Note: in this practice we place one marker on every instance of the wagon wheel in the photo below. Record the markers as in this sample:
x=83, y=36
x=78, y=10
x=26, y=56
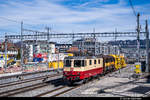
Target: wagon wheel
x=85, y=80
x=70, y=83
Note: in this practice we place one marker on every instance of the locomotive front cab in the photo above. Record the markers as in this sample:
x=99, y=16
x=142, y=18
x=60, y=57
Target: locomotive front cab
x=73, y=69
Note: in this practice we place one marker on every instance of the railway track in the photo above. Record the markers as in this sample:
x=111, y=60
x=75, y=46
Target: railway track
x=64, y=89
x=72, y=88
x=25, y=81
x=26, y=89
x=24, y=74
x=52, y=93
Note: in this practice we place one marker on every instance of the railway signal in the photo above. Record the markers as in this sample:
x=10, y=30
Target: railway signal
x=137, y=69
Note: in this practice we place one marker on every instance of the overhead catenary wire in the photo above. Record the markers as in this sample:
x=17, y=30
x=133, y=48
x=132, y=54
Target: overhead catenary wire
x=12, y=20
x=132, y=8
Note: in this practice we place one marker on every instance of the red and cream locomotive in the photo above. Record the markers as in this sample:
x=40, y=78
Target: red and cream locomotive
x=77, y=68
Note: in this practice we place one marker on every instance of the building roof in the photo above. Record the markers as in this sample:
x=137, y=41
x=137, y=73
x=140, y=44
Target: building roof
x=10, y=47
x=38, y=41
x=73, y=49
x=63, y=44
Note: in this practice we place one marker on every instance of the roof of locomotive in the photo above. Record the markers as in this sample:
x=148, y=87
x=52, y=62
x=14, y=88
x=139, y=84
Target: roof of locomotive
x=88, y=57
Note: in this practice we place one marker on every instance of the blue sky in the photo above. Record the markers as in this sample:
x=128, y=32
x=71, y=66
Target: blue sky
x=72, y=15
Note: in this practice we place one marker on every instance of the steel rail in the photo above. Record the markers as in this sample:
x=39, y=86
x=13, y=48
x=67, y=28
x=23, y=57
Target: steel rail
x=27, y=80
x=25, y=89
x=24, y=74
x=67, y=90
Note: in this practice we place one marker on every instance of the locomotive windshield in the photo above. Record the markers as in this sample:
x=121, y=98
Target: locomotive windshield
x=68, y=63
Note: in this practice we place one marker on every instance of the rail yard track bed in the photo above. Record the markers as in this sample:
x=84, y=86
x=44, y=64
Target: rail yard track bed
x=27, y=86
x=45, y=87
x=16, y=78
x=117, y=84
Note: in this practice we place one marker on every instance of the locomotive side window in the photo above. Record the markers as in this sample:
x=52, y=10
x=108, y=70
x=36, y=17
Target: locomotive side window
x=77, y=63
x=83, y=63
x=90, y=62
x=68, y=63
x=98, y=61
x=94, y=61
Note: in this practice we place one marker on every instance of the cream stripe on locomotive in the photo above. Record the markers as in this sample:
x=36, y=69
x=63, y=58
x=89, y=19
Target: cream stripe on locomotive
x=89, y=65
x=93, y=65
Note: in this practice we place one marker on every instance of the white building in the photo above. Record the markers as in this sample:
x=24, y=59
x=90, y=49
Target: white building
x=32, y=47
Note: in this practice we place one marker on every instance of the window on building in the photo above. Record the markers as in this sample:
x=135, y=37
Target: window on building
x=90, y=62
x=94, y=61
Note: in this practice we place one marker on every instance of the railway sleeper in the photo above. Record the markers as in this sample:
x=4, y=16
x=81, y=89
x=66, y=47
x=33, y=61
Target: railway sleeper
x=45, y=79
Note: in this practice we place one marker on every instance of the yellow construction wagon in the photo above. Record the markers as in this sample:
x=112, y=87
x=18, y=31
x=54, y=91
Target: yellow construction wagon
x=119, y=61
x=56, y=64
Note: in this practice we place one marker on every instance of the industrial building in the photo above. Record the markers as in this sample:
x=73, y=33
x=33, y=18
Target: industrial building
x=107, y=49
x=91, y=45
x=62, y=48
x=130, y=52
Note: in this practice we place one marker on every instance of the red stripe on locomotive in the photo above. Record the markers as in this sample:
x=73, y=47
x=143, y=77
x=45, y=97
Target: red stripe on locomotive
x=82, y=74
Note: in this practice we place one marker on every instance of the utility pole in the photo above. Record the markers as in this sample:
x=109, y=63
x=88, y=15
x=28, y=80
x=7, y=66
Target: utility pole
x=115, y=40
x=73, y=37
x=48, y=29
x=94, y=42
x=147, y=46
x=21, y=49
x=36, y=43
x=138, y=38
x=5, y=51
